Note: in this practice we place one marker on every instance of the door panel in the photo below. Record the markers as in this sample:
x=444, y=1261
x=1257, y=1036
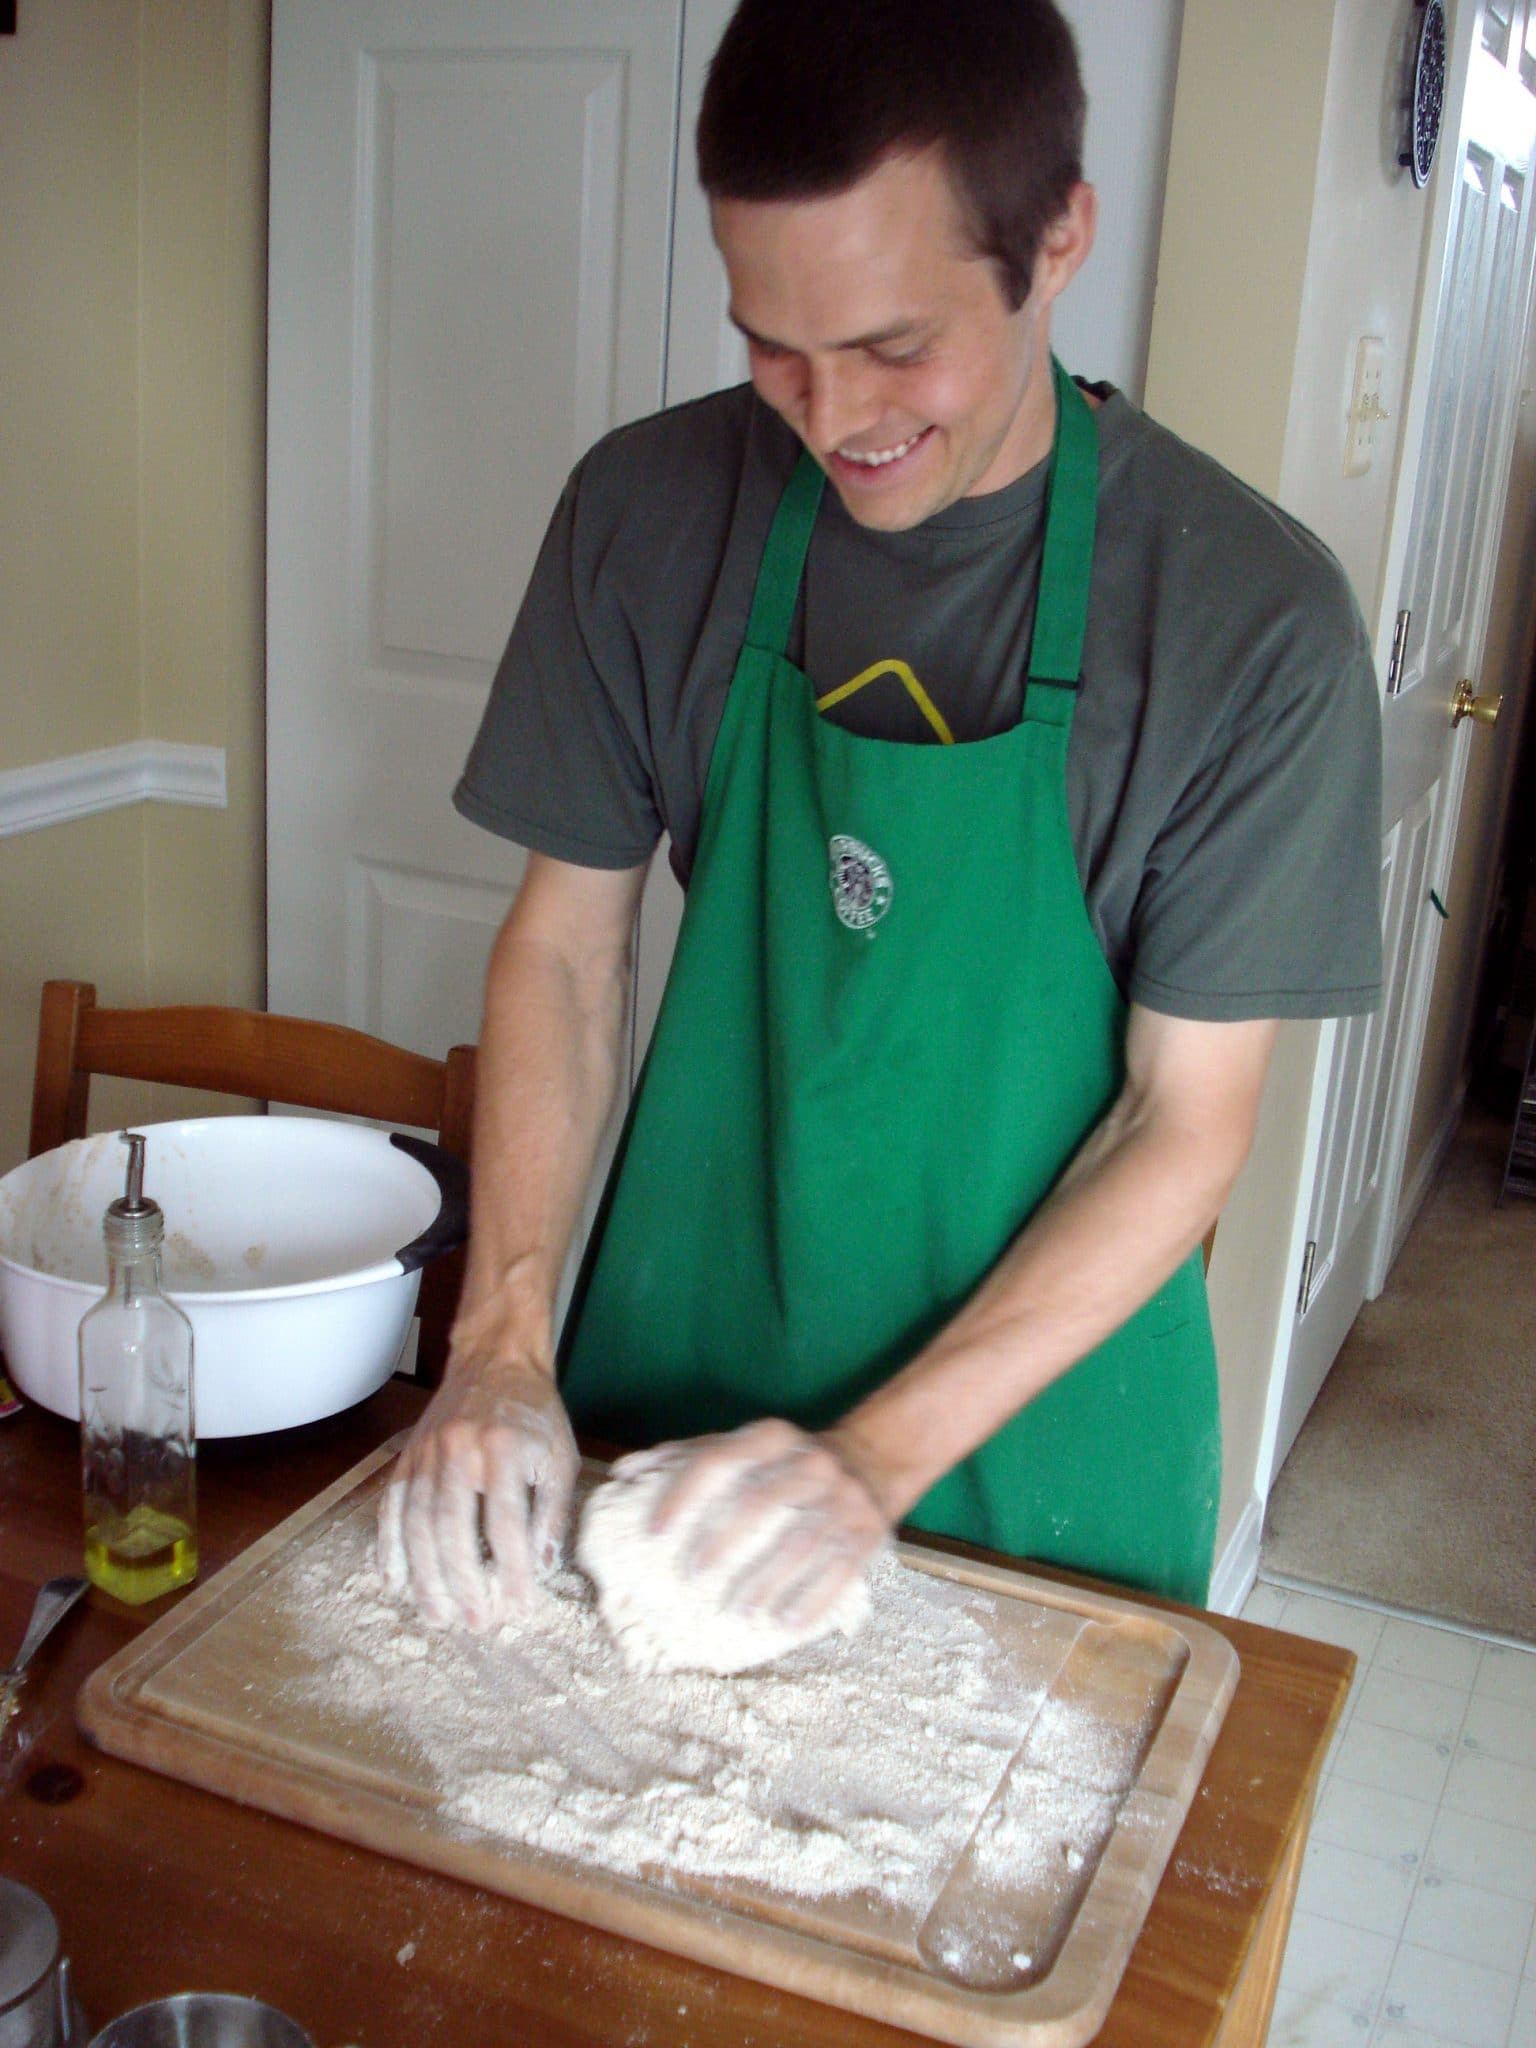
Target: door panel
x=1438, y=495
x=417, y=942
x=1492, y=384
x=471, y=228
x=474, y=316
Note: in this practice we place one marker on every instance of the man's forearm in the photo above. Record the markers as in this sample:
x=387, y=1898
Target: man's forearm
x=477, y=1505
x=1137, y=1199
x=548, y=1069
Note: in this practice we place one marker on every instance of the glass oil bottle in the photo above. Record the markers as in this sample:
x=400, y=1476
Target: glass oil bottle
x=138, y=1449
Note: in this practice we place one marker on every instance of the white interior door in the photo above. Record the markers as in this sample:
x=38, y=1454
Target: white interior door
x=1455, y=457
x=473, y=276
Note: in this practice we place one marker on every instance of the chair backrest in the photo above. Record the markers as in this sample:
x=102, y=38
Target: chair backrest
x=273, y=1058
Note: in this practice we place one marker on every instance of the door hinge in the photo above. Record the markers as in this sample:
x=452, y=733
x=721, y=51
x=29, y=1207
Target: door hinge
x=1304, y=1298
x=1399, y=653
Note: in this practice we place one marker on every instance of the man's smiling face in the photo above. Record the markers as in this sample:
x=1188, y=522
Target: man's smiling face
x=885, y=341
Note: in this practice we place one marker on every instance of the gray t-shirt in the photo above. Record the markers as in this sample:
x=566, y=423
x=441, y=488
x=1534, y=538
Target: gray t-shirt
x=1223, y=775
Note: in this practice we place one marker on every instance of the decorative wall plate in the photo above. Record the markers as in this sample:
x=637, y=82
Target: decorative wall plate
x=1426, y=103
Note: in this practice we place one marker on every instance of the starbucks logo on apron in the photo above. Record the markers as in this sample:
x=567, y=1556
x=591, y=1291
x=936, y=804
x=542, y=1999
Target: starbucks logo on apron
x=861, y=883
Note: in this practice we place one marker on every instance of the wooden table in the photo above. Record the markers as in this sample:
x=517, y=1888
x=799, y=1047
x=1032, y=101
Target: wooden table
x=158, y=1887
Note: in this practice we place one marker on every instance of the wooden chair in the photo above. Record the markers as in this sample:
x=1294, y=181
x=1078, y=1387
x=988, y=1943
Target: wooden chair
x=275, y=1059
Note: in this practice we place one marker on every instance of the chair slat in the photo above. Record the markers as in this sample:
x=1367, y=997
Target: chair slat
x=277, y=1059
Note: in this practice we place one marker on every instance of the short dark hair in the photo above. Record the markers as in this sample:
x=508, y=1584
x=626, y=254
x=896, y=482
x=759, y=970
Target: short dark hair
x=806, y=97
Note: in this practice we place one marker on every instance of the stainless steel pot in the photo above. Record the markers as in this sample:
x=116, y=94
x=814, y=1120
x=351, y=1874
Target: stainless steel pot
x=203, y=2019
x=36, y=2009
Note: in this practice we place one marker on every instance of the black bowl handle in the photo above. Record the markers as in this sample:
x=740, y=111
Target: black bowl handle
x=450, y=1226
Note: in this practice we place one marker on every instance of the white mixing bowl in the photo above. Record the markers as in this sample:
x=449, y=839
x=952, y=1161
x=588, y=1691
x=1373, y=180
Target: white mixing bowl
x=294, y=1245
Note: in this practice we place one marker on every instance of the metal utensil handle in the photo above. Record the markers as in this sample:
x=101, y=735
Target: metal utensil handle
x=52, y=1604
x=72, y=2027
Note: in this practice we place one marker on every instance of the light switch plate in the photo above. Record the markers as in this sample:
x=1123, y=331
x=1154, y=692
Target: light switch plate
x=1365, y=409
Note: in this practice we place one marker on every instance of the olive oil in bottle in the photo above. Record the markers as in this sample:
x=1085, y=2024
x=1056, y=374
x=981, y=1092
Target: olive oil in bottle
x=138, y=1447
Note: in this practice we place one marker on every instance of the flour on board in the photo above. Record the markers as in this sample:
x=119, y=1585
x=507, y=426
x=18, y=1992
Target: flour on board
x=854, y=1770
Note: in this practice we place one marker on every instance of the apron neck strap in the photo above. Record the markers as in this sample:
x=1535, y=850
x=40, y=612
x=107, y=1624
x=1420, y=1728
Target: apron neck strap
x=1066, y=556
x=783, y=563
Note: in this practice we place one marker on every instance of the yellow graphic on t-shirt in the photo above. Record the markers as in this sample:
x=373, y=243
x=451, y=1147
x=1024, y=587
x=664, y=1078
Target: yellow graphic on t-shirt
x=913, y=687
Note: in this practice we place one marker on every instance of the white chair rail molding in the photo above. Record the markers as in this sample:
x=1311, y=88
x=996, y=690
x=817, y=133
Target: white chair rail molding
x=139, y=771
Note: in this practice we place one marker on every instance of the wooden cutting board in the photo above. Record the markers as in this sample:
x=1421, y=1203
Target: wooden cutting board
x=1021, y=1932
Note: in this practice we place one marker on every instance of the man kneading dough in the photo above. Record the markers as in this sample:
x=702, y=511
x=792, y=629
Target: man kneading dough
x=1006, y=745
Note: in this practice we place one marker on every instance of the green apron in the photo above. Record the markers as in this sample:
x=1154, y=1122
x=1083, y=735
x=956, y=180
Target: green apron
x=888, y=1027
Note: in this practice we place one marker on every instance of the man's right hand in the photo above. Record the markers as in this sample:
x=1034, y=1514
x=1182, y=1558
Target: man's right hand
x=476, y=1509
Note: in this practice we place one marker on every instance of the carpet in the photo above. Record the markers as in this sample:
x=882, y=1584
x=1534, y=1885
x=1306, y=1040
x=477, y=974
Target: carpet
x=1413, y=1481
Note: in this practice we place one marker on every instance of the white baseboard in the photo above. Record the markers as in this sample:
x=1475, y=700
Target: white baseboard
x=79, y=785
x=1238, y=1565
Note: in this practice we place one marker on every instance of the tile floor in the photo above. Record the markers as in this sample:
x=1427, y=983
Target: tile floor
x=1415, y=1925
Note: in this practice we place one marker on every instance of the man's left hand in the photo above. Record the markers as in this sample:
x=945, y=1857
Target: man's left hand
x=794, y=1572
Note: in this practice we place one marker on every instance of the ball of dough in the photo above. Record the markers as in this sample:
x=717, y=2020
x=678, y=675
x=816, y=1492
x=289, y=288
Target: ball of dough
x=666, y=1618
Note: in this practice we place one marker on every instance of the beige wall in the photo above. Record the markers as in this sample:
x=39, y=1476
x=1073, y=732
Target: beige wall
x=1247, y=124
x=69, y=286
x=202, y=462
x=133, y=149
x=1289, y=232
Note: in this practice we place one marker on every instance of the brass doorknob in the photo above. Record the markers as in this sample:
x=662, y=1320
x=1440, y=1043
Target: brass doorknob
x=1467, y=704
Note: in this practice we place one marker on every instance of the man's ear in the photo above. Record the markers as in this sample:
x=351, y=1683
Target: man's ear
x=1065, y=245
